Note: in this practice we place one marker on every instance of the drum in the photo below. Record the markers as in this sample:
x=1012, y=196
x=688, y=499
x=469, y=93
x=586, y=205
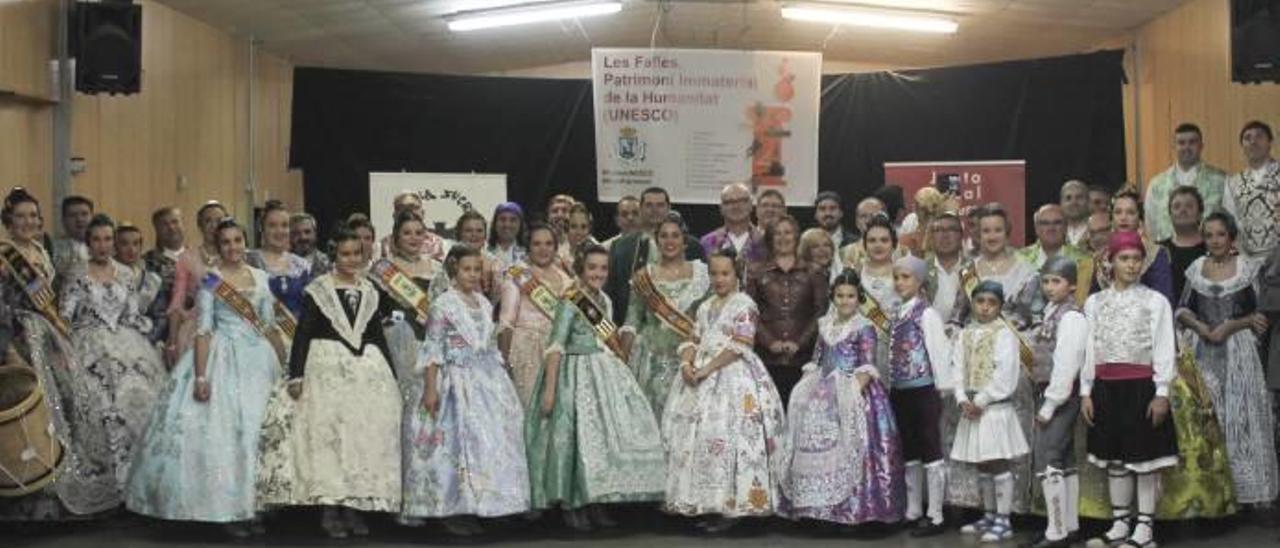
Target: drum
x=29, y=451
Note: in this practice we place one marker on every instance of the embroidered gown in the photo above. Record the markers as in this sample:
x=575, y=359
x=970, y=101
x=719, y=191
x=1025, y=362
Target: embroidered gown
x=86, y=483
x=727, y=443
x=469, y=458
x=846, y=463
x=601, y=443
x=654, y=358
x=198, y=460
x=124, y=370
x=529, y=328
x=1232, y=372
x=339, y=443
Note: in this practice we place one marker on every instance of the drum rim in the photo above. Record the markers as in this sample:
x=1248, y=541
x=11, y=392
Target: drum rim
x=9, y=490
x=30, y=402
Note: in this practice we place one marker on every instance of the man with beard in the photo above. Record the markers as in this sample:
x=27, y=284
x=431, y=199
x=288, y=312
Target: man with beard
x=302, y=242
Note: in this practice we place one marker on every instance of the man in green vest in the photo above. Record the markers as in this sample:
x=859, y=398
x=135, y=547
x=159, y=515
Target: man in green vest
x=1189, y=170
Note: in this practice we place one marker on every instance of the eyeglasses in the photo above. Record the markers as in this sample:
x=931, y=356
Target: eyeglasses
x=735, y=201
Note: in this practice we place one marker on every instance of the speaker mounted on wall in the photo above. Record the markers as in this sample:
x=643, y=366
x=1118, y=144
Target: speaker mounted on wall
x=106, y=41
x=1255, y=41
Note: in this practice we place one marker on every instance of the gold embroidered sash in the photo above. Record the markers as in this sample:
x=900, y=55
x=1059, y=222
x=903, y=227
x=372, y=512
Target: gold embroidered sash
x=872, y=310
x=234, y=300
x=401, y=287
x=595, y=315
x=542, y=296
x=969, y=281
x=284, y=319
x=37, y=288
x=662, y=305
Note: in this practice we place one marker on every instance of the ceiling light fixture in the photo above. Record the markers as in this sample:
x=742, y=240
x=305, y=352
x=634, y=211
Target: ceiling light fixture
x=865, y=17
x=529, y=13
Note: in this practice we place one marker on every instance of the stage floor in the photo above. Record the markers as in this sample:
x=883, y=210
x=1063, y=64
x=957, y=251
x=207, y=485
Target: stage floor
x=641, y=528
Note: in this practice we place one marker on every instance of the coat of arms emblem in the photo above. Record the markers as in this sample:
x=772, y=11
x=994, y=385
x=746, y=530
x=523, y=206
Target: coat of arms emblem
x=630, y=148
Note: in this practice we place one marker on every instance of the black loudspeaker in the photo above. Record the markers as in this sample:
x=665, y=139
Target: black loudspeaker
x=106, y=41
x=1255, y=41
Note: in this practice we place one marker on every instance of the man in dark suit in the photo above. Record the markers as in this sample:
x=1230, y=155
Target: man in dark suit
x=637, y=249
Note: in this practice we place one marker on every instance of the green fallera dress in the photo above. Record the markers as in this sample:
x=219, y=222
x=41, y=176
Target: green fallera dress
x=601, y=442
x=654, y=357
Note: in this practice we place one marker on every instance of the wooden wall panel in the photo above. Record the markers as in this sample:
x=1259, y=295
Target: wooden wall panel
x=184, y=139
x=26, y=149
x=26, y=117
x=1183, y=73
x=27, y=42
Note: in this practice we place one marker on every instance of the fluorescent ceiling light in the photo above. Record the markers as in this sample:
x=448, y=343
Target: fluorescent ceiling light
x=529, y=13
x=870, y=18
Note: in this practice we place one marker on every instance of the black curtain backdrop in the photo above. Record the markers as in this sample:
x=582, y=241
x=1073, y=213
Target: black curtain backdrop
x=1063, y=115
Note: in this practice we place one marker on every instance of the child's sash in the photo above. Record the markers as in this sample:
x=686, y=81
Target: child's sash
x=595, y=315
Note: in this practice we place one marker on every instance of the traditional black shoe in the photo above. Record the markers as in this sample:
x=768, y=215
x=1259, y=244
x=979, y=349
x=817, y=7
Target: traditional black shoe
x=927, y=528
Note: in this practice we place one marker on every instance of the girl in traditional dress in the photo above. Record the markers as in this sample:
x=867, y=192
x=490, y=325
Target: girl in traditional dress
x=87, y=482
x=664, y=296
x=725, y=428
x=288, y=274
x=471, y=231
x=846, y=463
x=530, y=299
x=985, y=361
x=408, y=322
x=192, y=265
x=199, y=458
x=464, y=445
x=876, y=272
x=360, y=224
x=147, y=283
x=1219, y=308
x=315, y=450
x=578, y=235
x=592, y=438
x=108, y=329
x=1157, y=269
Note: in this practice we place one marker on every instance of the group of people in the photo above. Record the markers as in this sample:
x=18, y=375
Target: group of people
x=1117, y=368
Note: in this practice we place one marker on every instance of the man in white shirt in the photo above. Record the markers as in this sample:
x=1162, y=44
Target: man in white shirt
x=1188, y=170
x=1253, y=195
x=1074, y=199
